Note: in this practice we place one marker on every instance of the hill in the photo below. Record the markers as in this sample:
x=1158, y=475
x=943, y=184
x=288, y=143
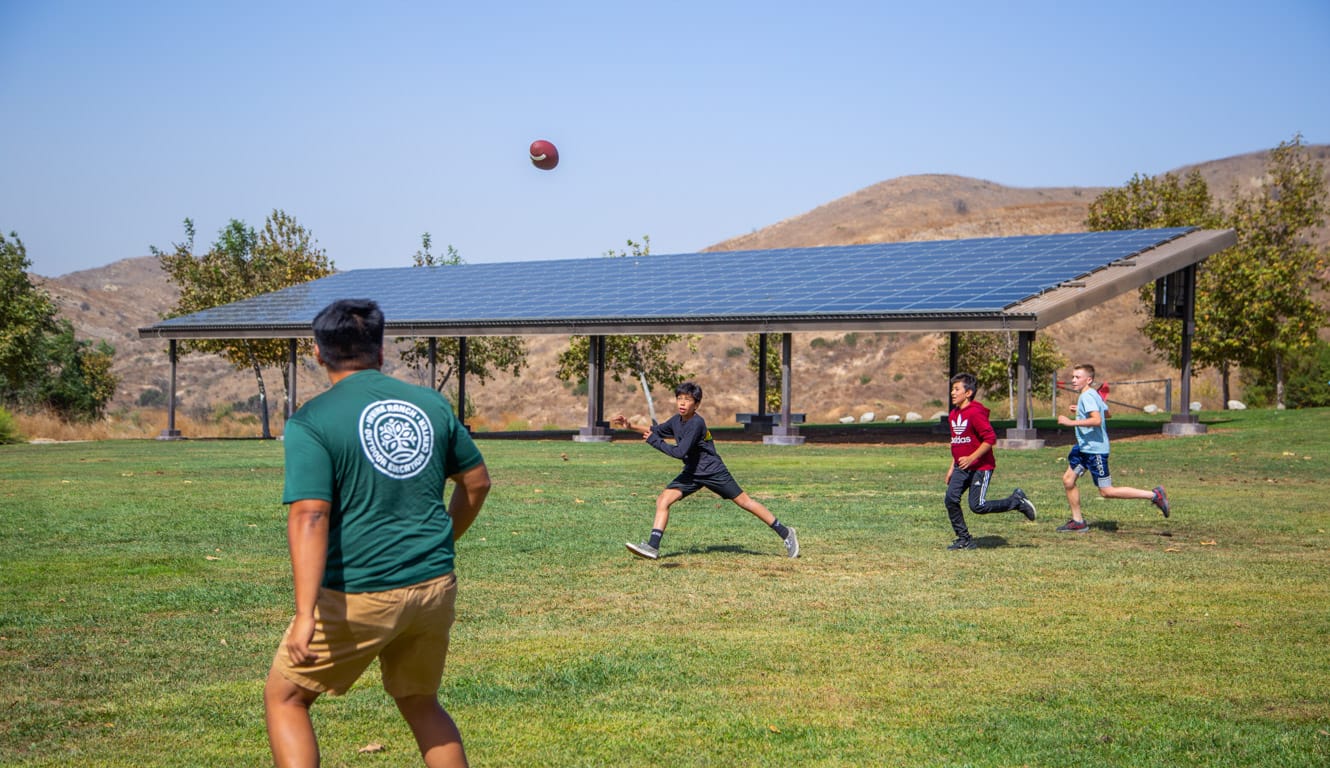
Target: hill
x=834, y=377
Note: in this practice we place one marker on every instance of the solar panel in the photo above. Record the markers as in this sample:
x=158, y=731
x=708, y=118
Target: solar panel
x=983, y=275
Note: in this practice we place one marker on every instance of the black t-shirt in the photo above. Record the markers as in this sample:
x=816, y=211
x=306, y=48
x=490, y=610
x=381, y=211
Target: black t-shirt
x=692, y=444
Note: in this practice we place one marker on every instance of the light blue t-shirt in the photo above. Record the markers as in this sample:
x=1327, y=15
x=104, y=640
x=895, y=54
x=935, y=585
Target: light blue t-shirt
x=1092, y=439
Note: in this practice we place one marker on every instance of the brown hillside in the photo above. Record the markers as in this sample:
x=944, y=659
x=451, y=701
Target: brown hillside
x=835, y=377
x=931, y=207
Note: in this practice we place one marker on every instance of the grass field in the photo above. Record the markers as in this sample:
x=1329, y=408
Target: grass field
x=144, y=584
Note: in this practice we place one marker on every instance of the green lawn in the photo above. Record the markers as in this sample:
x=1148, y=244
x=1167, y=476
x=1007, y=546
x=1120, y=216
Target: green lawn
x=144, y=585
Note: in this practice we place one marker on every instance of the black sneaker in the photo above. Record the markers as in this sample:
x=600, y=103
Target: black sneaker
x=963, y=543
x=1026, y=506
x=1160, y=500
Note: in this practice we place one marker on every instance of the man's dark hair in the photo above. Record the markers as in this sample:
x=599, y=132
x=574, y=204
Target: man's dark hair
x=349, y=333
x=968, y=381
x=1089, y=370
x=690, y=389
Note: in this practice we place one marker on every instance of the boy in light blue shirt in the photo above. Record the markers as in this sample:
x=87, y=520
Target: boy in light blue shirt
x=1091, y=453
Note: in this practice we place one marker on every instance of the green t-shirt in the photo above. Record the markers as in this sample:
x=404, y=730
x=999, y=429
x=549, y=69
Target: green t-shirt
x=379, y=450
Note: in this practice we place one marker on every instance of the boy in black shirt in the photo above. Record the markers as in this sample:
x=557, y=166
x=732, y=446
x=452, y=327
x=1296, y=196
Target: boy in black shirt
x=702, y=468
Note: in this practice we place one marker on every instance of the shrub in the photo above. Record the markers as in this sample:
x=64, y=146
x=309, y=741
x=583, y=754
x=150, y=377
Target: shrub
x=1306, y=385
x=152, y=398
x=8, y=428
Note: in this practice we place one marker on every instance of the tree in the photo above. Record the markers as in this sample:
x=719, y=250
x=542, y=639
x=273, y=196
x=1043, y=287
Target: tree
x=485, y=356
x=1255, y=302
x=42, y=364
x=1306, y=377
x=26, y=312
x=1148, y=202
x=1277, y=270
x=78, y=382
x=625, y=355
x=992, y=357
x=241, y=264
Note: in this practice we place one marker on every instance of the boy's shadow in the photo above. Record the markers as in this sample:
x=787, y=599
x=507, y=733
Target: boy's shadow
x=1110, y=526
x=733, y=549
x=991, y=542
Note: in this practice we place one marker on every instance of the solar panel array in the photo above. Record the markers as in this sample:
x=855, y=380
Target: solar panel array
x=984, y=275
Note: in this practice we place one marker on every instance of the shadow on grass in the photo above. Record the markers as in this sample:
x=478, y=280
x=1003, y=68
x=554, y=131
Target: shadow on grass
x=991, y=542
x=710, y=549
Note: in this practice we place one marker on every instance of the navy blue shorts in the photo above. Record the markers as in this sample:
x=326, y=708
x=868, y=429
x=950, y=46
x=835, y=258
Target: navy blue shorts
x=1094, y=463
x=720, y=483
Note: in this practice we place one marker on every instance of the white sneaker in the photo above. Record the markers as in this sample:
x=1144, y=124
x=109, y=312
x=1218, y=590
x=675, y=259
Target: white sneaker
x=792, y=542
x=651, y=553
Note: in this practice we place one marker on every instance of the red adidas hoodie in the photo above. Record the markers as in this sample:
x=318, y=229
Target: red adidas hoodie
x=969, y=428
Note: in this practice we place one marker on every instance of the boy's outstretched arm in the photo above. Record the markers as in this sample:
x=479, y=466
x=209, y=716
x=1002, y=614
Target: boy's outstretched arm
x=621, y=422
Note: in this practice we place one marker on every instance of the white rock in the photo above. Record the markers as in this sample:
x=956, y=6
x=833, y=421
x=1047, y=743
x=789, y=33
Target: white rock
x=1196, y=405
x=1151, y=408
x=912, y=416
x=846, y=419
x=893, y=419
x=1237, y=405
x=938, y=416
x=867, y=417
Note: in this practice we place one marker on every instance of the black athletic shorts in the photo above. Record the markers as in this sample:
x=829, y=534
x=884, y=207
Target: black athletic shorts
x=720, y=483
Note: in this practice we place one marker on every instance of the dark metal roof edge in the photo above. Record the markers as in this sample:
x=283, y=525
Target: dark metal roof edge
x=539, y=326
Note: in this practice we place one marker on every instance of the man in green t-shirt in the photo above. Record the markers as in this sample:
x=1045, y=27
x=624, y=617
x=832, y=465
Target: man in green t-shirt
x=371, y=540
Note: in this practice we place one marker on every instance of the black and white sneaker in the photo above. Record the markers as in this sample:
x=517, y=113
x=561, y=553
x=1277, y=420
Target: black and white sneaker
x=643, y=550
x=963, y=543
x=1026, y=506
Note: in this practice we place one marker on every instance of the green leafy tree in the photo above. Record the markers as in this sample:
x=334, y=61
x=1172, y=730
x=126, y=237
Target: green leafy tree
x=243, y=263
x=1149, y=202
x=42, y=364
x=1278, y=271
x=992, y=357
x=78, y=382
x=1256, y=302
x=26, y=312
x=485, y=355
x=625, y=356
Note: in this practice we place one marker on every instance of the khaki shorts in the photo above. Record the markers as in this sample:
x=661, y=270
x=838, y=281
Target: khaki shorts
x=406, y=629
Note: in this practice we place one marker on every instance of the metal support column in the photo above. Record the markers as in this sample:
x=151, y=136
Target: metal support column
x=1023, y=435
x=433, y=363
x=461, y=381
x=953, y=367
x=171, y=433
x=1185, y=422
x=785, y=433
x=761, y=374
x=292, y=359
x=595, y=431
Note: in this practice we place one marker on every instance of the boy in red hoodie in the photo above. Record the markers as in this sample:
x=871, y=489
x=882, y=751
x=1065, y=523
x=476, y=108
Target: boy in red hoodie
x=972, y=462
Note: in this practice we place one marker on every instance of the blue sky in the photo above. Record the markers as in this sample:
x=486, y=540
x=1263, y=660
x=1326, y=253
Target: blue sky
x=690, y=122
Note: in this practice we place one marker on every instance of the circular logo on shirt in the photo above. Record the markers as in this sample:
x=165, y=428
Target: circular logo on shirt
x=397, y=438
